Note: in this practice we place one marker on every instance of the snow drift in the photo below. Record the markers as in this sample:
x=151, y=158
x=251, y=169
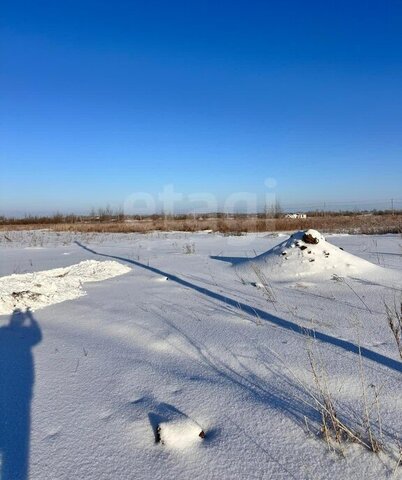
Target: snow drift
x=180, y=433
x=304, y=254
x=40, y=289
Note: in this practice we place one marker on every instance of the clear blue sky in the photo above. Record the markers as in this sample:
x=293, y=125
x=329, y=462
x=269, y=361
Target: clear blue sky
x=101, y=99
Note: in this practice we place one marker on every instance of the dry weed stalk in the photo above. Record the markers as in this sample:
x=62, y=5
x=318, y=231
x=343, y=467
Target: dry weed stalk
x=340, y=279
x=394, y=318
x=332, y=427
x=374, y=443
x=264, y=282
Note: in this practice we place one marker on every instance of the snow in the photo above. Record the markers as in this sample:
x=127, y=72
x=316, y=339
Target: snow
x=180, y=434
x=295, y=258
x=177, y=431
x=41, y=289
x=183, y=343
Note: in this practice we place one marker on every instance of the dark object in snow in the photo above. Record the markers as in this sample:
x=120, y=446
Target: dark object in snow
x=284, y=252
x=308, y=238
x=341, y=248
x=303, y=247
x=312, y=260
x=26, y=294
x=202, y=434
x=158, y=434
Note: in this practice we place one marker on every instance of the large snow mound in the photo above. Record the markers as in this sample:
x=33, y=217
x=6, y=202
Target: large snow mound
x=40, y=289
x=304, y=254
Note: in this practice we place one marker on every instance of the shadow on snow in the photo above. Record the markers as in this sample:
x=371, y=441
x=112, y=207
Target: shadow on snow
x=17, y=378
x=262, y=315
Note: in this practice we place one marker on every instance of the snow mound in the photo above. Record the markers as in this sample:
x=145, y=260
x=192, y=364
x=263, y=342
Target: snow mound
x=303, y=254
x=40, y=289
x=180, y=433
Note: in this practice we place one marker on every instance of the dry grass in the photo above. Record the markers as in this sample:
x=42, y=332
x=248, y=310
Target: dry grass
x=394, y=319
x=338, y=426
x=237, y=224
x=334, y=430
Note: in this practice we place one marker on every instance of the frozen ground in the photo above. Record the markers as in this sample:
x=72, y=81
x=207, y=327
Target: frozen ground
x=188, y=341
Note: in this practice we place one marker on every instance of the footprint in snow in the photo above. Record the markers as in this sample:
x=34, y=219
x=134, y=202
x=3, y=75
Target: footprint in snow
x=53, y=434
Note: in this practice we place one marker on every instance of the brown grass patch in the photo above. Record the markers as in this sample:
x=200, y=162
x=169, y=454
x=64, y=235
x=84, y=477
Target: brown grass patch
x=237, y=224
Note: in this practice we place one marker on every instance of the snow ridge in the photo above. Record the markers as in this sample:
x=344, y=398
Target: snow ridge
x=40, y=289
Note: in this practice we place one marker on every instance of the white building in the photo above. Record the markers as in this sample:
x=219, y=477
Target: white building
x=295, y=215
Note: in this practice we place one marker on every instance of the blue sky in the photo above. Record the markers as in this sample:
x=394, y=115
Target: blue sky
x=102, y=99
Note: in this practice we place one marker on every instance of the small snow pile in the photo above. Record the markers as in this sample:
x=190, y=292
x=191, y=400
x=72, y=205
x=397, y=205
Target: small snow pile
x=180, y=433
x=40, y=289
x=303, y=254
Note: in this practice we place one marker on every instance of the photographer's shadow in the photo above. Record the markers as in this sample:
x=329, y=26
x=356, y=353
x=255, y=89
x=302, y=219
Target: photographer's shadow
x=17, y=378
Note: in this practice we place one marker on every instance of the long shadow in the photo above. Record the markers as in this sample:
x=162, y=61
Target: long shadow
x=232, y=260
x=17, y=378
x=262, y=315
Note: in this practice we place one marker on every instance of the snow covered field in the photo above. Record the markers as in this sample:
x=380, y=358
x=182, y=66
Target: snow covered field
x=181, y=334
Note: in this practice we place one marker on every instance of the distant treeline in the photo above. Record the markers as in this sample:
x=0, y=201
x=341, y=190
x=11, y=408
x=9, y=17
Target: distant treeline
x=108, y=215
